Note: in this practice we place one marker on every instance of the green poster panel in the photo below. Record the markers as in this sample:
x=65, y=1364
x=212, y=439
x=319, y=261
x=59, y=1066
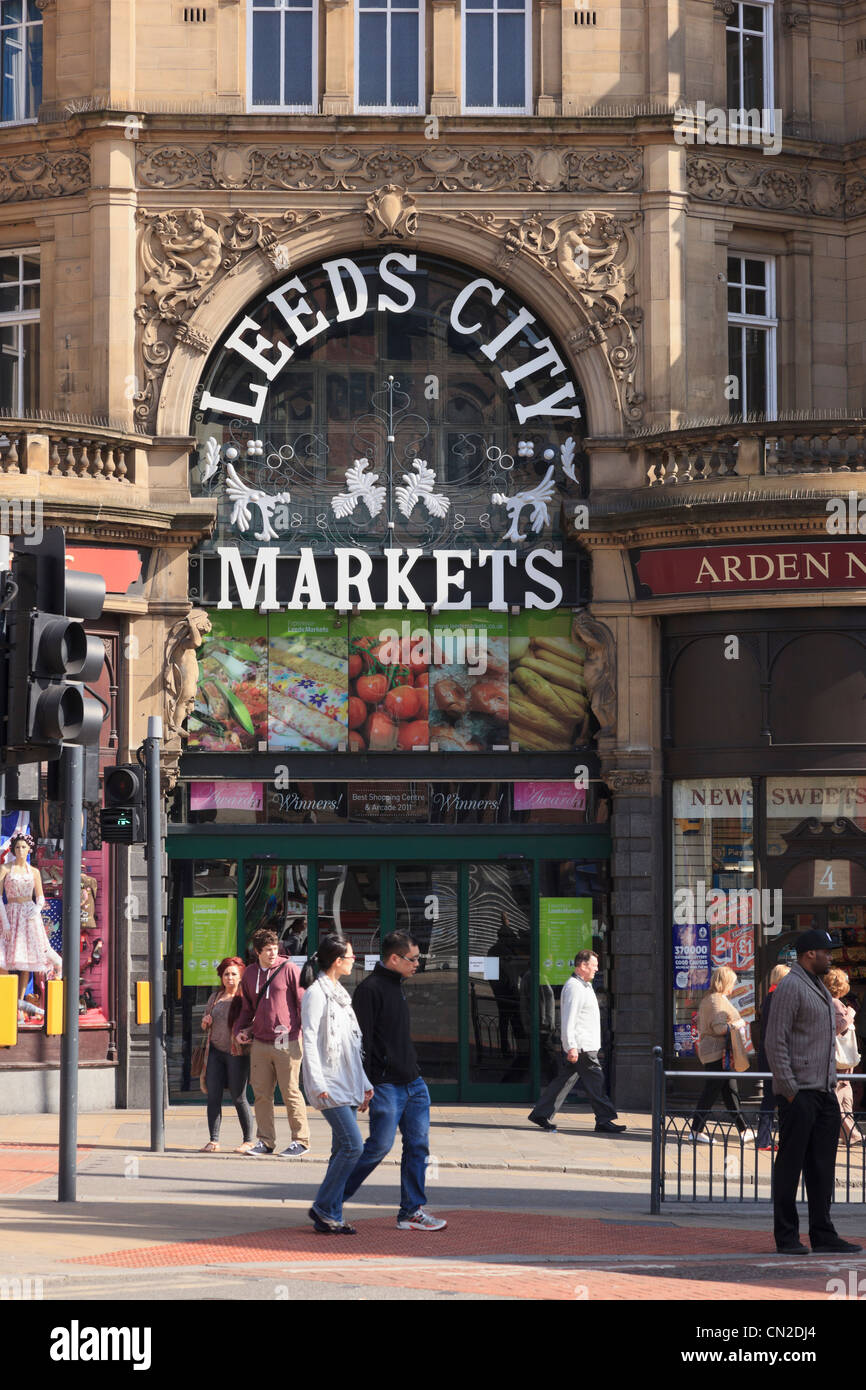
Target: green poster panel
x=564, y=928
x=210, y=933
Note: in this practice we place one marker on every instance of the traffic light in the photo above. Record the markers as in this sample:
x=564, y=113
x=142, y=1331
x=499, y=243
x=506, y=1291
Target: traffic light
x=47, y=656
x=124, y=819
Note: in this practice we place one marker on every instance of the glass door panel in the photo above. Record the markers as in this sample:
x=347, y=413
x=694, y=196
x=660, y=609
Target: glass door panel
x=349, y=898
x=276, y=896
x=500, y=972
x=426, y=903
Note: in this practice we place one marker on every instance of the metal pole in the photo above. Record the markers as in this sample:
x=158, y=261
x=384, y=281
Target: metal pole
x=154, y=936
x=74, y=756
x=658, y=1122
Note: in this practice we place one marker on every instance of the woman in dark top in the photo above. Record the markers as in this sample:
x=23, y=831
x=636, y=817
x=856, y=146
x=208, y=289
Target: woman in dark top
x=768, y=1102
x=224, y=1069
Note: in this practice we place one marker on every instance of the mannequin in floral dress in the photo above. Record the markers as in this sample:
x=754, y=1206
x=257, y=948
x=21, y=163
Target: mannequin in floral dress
x=25, y=945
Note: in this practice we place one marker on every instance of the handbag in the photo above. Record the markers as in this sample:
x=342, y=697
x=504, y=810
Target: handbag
x=847, y=1054
x=739, y=1055
x=198, y=1060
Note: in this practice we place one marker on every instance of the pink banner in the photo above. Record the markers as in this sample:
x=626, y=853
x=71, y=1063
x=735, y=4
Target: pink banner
x=548, y=796
x=226, y=796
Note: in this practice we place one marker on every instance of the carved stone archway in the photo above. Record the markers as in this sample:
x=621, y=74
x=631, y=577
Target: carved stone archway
x=201, y=269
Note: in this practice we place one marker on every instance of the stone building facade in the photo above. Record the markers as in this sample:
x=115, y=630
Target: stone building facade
x=164, y=174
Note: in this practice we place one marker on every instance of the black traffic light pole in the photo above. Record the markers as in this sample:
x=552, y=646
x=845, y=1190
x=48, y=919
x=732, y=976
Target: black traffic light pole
x=74, y=756
x=154, y=936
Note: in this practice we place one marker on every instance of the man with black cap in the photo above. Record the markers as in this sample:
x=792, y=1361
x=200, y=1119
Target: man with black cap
x=801, y=1047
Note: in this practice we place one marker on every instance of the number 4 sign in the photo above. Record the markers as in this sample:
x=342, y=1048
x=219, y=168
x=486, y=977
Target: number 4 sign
x=832, y=878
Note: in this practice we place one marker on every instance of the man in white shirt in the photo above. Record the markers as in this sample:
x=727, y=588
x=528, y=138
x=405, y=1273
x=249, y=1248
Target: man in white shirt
x=581, y=1040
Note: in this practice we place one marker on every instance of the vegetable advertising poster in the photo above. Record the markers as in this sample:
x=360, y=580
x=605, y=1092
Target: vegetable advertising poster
x=231, y=703
x=308, y=681
x=210, y=933
x=469, y=682
x=548, y=705
x=389, y=664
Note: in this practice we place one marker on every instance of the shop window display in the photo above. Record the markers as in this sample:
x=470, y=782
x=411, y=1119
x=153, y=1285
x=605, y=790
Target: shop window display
x=715, y=911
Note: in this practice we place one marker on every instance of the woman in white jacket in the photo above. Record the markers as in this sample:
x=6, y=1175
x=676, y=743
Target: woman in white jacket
x=334, y=1077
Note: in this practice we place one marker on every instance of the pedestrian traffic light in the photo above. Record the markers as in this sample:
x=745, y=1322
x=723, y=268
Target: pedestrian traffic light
x=47, y=657
x=124, y=819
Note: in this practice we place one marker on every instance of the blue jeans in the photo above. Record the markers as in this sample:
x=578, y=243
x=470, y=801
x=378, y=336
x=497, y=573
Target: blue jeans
x=409, y=1108
x=346, y=1148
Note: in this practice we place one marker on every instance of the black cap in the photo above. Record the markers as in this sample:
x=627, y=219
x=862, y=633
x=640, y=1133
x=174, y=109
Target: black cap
x=813, y=941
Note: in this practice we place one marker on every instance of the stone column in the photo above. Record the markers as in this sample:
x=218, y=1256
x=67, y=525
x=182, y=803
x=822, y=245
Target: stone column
x=112, y=201
x=797, y=99
x=113, y=42
x=631, y=767
x=664, y=235
x=48, y=9
x=447, y=57
x=666, y=50
x=339, y=62
x=551, y=19
x=794, y=334
x=722, y=10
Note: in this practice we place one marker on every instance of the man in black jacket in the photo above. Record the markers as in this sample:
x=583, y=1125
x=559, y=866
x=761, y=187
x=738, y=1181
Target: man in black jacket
x=400, y=1095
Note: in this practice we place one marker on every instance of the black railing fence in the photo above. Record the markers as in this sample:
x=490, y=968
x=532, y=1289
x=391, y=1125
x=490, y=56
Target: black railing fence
x=727, y=1166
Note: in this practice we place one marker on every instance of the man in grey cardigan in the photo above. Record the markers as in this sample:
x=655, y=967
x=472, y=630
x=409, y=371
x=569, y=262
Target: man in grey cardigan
x=801, y=1047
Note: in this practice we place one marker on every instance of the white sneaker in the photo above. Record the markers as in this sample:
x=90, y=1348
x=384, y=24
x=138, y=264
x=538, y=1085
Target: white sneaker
x=420, y=1221
x=700, y=1137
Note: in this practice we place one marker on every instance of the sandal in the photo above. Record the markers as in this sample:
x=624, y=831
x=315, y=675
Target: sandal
x=245, y=1148
x=210, y=1148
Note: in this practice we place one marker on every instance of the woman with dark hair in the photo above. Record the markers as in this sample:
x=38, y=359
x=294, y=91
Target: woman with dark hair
x=224, y=1066
x=334, y=1077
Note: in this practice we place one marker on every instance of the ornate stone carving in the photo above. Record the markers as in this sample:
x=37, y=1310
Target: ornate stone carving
x=594, y=256
x=180, y=668
x=796, y=19
x=725, y=8
x=391, y=212
x=27, y=176
x=628, y=780
x=431, y=167
x=752, y=184
x=183, y=253
x=855, y=195
x=599, y=671
x=605, y=171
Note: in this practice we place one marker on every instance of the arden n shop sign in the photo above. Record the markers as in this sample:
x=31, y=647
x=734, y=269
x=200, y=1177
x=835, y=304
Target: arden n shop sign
x=760, y=566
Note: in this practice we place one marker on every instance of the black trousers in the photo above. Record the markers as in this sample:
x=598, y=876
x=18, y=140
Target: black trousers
x=730, y=1099
x=224, y=1070
x=587, y=1069
x=808, y=1135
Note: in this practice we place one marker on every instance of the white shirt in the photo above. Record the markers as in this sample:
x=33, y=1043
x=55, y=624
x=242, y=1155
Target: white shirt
x=347, y=1081
x=579, y=1015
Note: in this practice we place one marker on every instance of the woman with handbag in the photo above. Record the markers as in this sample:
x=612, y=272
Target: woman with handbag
x=847, y=1052
x=334, y=1077
x=224, y=1064
x=719, y=1024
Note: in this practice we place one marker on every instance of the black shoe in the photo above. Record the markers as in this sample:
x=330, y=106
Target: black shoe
x=836, y=1247
x=608, y=1127
x=346, y=1230
x=324, y=1228
x=795, y=1248
x=542, y=1124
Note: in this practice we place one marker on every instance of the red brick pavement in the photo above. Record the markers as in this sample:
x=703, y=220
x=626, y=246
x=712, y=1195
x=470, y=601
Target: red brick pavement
x=20, y=1170
x=472, y=1233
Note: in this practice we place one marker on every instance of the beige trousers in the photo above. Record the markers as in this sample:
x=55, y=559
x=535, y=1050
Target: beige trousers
x=271, y=1066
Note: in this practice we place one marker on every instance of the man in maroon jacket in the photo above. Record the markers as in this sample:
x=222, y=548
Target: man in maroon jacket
x=273, y=1026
